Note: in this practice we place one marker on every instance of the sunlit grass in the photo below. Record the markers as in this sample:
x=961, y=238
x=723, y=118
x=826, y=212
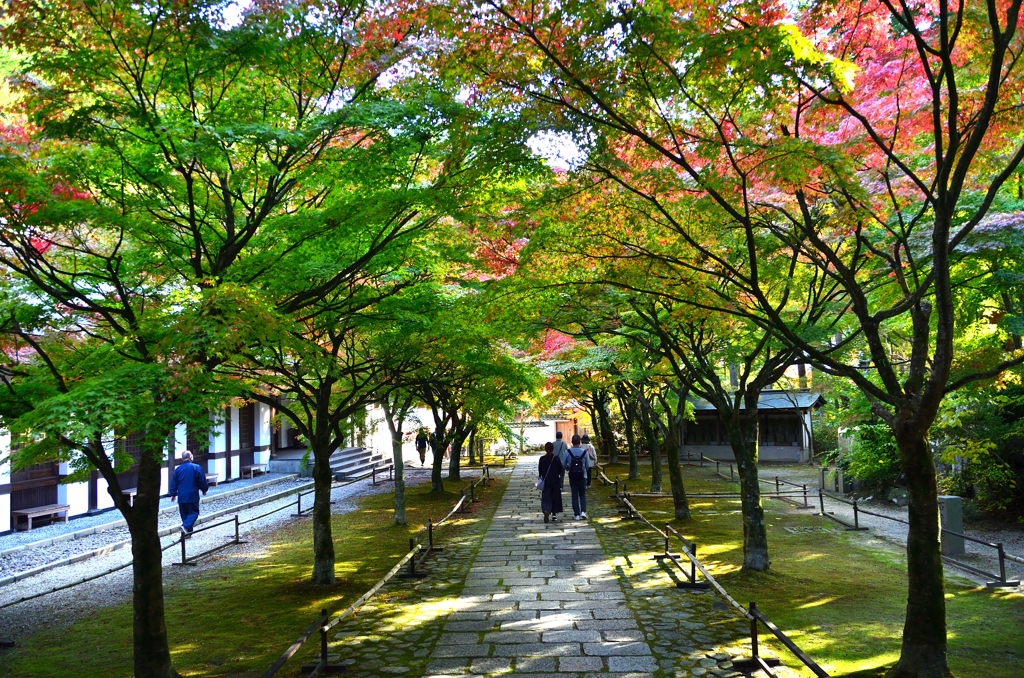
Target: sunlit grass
x=237, y=619
x=840, y=596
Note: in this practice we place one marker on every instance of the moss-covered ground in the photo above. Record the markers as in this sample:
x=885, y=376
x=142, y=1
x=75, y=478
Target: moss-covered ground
x=236, y=619
x=839, y=595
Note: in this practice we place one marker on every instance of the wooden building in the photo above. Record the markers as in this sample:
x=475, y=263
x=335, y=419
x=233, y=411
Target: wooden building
x=784, y=427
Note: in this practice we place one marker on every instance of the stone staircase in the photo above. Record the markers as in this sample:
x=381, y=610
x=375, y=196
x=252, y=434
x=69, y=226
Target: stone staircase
x=352, y=462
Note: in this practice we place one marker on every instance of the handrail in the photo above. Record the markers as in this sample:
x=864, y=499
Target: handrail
x=757, y=616
x=109, y=547
x=999, y=580
x=294, y=647
x=325, y=623
x=80, y=581
x=688, y=548
x=753, y=614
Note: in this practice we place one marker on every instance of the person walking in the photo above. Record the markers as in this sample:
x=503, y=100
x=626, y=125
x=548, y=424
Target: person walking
x=187, y=481
x=421, y=446
x=560, y=449
x=591, y=457
x=550, y=471
x=575, y=461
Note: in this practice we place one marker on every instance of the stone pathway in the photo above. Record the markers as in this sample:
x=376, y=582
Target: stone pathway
x=517, y=596
x=540, y=599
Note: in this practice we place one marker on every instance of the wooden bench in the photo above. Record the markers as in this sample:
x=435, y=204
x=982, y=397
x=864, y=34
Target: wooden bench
x=253, y=469
x=52, y=511
x=211, y=478
x=130, y=493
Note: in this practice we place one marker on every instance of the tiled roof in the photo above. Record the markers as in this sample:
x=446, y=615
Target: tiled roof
x=775, y=400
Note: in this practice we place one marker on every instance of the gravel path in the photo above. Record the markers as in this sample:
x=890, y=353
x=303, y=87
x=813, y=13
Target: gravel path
x=28, y=558
x=65, y=607
x=14, y=539
x=980, y=556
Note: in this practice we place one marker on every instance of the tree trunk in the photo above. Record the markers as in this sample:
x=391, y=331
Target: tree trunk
x=323, y=540
x=395, y=428
x=454, y=472
x=608, y=445
x=595, y=424
x=629, y=414
x=675, y=475
x=651, y=436
x=470, y=447
x=742, y=432
x=923, y=654
x=436, y=483
x=149, y=630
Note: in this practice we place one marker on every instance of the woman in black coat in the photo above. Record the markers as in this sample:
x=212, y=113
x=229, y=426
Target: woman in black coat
x=550, y=470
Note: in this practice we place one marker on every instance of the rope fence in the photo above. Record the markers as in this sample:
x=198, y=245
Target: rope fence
x=755, y=662
x=185, y=560
x=325, y=623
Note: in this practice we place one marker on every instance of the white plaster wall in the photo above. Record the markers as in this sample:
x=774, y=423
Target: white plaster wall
x=261, y=457
x=764, y=452
x=180, y=440
x=217, y=439
x=5, y=478
x=62, y=489
x=5, y=512
x=165, y=480
x=282, y=435
x=236, y=467
x=233, y=412
x=262, y=436
x=77, y=496
x=536, y=436
x=103, y=499
x=220, y=467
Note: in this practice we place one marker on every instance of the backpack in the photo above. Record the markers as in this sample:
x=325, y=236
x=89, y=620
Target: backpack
x=576, y=467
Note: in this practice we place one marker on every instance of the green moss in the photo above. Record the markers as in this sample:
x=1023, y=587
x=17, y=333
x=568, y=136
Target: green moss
x=237, y=619
x=839, y=595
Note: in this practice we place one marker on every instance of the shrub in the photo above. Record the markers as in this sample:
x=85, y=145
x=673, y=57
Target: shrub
x=873, y=457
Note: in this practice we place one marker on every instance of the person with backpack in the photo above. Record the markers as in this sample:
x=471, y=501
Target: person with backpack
x=576, y=461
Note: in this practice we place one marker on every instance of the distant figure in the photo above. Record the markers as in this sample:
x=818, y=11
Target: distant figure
x=560, y=449
x=591, y=455
x=421, y=446
x=187, y=481
x=550, y=471
x=575, y=460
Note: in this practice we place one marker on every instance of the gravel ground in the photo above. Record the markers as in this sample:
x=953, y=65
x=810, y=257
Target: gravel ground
x=13, y=539
x=65, y=607
x=980, y=556
x=29, y=558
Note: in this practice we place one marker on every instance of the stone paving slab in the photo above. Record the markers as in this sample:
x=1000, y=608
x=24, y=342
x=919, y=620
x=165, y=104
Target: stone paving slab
x=570, y=598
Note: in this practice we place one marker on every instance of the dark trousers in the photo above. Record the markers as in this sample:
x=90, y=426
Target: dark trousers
x=189, y=514
x=578, y=485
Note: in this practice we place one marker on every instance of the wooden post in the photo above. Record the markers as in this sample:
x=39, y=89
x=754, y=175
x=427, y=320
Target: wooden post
x=753, y=631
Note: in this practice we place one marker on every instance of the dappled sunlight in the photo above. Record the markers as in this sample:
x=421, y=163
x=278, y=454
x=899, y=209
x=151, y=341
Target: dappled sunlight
x=816, y=603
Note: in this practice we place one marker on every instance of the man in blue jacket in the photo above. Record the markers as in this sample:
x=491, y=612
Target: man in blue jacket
x=186, y=482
